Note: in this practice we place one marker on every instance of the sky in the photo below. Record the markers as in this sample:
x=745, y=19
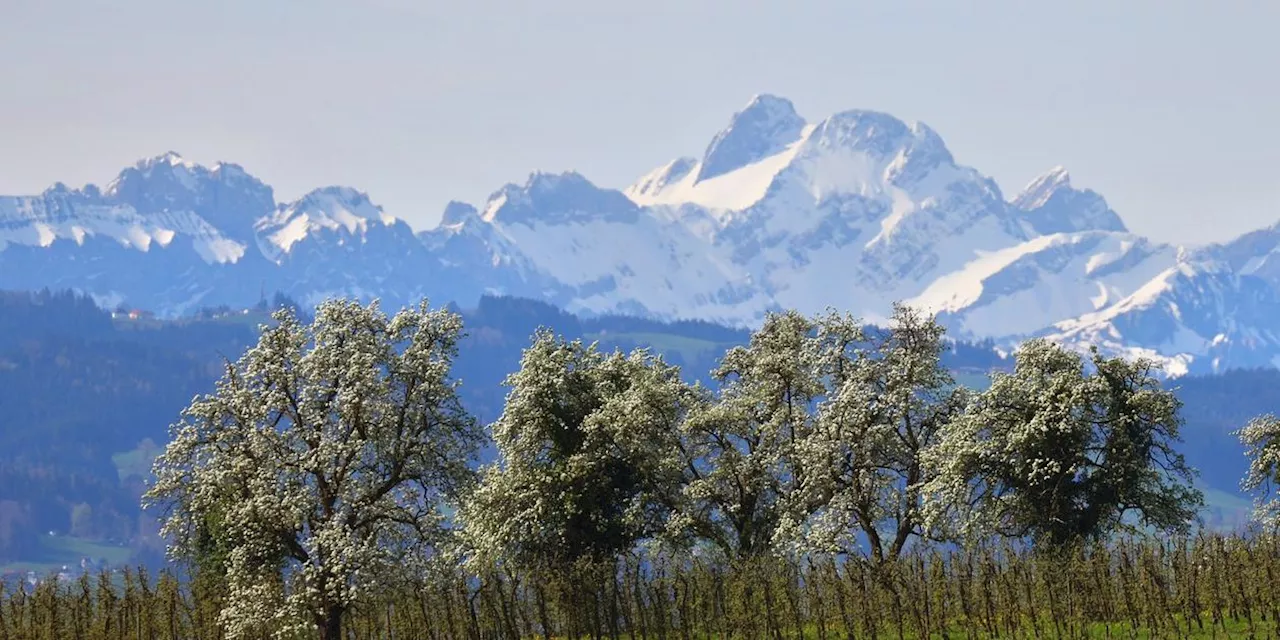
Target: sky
x=1168, y=108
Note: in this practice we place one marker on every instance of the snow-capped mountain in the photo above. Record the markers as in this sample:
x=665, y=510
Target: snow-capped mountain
x=92, y=241
x=1051, y=205
x=1256, y=253
x=225, y=196
x=853, y=211
x=1019, y=290
x=595, y=250
x=864, y=207
x=171, y=235
x=1193, y=316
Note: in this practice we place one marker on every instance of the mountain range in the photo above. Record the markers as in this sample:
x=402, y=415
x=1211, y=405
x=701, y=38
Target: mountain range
x=853, y=212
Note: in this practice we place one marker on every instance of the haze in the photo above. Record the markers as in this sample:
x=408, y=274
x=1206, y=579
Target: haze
x=1167, y=108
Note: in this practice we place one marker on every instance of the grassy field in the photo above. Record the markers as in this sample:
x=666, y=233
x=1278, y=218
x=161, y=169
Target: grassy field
x=57, y=551
x=136, y=461
x=1049, y=630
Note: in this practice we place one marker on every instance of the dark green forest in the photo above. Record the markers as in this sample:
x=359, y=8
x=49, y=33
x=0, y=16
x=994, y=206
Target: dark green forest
x=87, y=399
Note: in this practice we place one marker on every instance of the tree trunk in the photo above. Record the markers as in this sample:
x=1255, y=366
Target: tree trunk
x=331, y=623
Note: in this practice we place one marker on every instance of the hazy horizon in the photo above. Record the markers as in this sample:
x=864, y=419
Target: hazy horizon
x=1160, y=107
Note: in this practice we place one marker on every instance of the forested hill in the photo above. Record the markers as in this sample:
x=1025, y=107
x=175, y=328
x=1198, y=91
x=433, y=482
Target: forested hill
x=87, y=399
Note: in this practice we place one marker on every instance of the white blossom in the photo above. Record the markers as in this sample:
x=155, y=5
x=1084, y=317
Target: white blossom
x=588, y=455
x=887, y=396
x=323, y=460
x=1054, y=451
x=742, y=450
x=1261, y=438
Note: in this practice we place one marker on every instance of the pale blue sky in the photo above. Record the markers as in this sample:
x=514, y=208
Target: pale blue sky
x=1168, y=108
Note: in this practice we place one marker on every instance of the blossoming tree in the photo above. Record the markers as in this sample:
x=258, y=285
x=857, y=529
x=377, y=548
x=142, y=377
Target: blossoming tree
x=888, y=398
x=588, y=456
x=1261, y=438
x=325, y=457
x=1058, y=451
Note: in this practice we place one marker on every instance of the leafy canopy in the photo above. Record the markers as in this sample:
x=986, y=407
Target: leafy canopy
x=887, y=400
x=1057, y=453
x=741, y=448
x=588, y=455
x=1261, y=438
x=325, y=457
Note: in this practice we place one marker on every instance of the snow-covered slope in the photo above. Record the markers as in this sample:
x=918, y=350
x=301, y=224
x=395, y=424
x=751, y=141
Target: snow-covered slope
x=335, y=242
x=1019, y=290
x=876, y=203
x=1079, y=259
x=60, y=215
x=766, y=126
x=1195, y=317
x=1256, y=253
x=854, y=211
x=335, y=214
x=171, y=235
x=1051, y=205
x=604, y=253
x=738, y=166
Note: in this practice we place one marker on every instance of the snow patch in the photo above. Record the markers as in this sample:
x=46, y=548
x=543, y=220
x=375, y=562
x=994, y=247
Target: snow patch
x=732, y=191
x=338, y=210
x=1041, y=282
x=41, y=222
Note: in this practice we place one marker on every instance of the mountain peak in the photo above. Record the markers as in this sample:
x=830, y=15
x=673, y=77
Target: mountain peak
x=225, y=196
x=770, y=102
x=1052, y=205
x=545, y=181
x=159, y=183
x=335, y=206
x=335, y=211
x=231, y=171
x=764, y=127
x=1038, y=191
x=169, y=167
x=58, y=187
x=337, y=194
x=866, y=130
x=557, y=198
x=457, y=213
x=171, y=158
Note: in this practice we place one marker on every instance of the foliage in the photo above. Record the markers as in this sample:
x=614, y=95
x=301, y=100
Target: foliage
x=1215, y=406
x=325, y=453
x=318, y=482
x=1261, y=437
x=741, y=449
x=887, y=400
x=816, y=437
x=588, y=457
x=83, y=393
x=1054, y=452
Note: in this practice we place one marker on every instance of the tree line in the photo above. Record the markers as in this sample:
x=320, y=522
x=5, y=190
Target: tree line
x=331, y=471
